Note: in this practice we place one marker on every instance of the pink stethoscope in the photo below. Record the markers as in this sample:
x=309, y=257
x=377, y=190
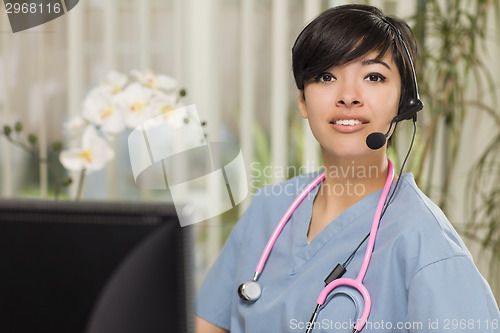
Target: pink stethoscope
x=251, y=289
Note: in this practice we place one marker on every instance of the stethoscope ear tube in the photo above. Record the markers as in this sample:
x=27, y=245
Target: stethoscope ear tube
x=251, y=290
x=358, y=282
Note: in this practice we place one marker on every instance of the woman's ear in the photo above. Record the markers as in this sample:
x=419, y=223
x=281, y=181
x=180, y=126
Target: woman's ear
x=301, y=103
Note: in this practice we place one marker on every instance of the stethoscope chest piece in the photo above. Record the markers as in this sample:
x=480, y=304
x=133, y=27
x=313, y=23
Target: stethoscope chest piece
x=250, y=291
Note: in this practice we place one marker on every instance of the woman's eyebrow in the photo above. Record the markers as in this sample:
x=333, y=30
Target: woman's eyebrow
x=375, y=61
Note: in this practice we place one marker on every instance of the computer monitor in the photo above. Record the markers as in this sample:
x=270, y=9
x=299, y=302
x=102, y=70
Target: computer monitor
x=94, y=267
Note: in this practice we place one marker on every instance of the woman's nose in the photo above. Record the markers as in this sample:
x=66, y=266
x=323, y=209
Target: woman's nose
x=349, y=96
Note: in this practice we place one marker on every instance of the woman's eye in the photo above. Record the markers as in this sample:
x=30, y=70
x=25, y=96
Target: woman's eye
x=327, y=77
x=375, y=77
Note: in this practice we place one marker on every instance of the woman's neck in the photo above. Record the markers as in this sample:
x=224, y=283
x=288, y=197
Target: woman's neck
x=348, y=180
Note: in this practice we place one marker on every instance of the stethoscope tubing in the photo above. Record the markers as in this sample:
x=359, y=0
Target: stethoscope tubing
x=358, y=282
x=283, y=221
x=355, y=283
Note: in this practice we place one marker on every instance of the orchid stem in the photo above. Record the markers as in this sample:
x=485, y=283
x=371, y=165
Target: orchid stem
x=32, y=152
x=80, y=185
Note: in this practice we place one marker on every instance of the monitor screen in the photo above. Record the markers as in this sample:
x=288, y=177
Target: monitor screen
x=93, y=267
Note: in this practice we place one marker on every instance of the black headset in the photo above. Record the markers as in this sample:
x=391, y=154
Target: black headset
x=377, y=140
x=409, y=110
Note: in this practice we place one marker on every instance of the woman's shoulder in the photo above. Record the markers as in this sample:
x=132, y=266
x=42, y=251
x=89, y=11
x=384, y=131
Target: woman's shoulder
x=423, y=229
x=414, y=204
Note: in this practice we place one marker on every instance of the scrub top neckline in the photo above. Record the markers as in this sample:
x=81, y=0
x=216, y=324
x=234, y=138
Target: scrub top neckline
x=303, y=250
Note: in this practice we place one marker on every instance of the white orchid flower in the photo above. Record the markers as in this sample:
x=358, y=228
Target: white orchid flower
x=134, y=104
x=177, y=118
x=153, y=81
x=166, y=82
x=99, y=108
x=75, y=124
x=115, y=81
x=180, y=118
x=162, y=103
x=92, y=156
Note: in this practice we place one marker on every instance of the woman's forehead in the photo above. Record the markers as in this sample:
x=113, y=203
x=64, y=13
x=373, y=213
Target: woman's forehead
x=373, y=57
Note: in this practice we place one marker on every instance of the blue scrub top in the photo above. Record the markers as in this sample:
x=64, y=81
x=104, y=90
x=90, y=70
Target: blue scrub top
x=421, y=277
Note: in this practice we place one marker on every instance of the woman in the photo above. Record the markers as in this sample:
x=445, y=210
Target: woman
x=355, y=75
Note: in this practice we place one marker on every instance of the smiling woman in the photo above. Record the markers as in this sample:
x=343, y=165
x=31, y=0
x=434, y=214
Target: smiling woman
x=354, y=71
x=357, y=98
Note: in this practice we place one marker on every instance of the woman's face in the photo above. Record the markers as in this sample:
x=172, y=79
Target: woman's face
x=348, y=102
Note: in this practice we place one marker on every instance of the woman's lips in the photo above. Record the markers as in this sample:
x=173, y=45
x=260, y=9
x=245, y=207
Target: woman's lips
x=348, y=125
x=348, y=122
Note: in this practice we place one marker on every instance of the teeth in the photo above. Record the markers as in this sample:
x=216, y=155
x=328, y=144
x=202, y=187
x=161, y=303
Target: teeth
x=348, y=122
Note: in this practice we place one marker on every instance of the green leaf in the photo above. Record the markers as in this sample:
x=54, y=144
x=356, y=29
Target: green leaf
x=32, y=139
x=18, y=126
x=7, y=130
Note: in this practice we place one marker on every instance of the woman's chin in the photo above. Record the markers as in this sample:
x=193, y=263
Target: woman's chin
x=348, y=150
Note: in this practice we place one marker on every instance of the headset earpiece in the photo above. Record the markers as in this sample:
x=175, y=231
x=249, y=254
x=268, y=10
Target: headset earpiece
x=409, y=111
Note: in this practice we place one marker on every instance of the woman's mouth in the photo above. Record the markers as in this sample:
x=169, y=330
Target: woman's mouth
x=348, y=125
x=348, y=122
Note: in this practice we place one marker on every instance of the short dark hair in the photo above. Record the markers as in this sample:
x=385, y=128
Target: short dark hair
x=345, y=33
